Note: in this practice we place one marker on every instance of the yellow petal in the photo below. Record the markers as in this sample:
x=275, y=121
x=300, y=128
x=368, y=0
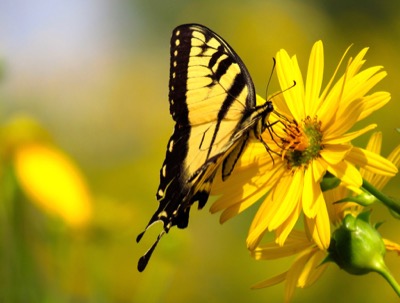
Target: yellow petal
x=288, y=72
x=371, y=162
x=392, y=246
x=252, y=163
x=287, y=196
x=394, y=156
x=296, y=242
x=322, y=227
x=319, y=226
x=330, y=83
x=294, y=273
x=280, y=105
x=259, y=224
x=347, y=173
x=356, y=63
x=313, y=269
x=340, y=139
x=336, y=210
x=344, y=121
x=311, y=193
x=311, y=209
x=380, y=181
x=334, y=153
x=319, y=169
x=360, y=84
x=270, y=282
x=246, y=186
x=329, y=100
x=283, y=231
x=277, y=207
x=315, y=74
x=374, y=145
x=298, y=79
x=52, y=181
x=232, y=210
x=374, y=102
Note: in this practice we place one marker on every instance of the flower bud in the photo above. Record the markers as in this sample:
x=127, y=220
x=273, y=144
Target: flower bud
x=357, y=247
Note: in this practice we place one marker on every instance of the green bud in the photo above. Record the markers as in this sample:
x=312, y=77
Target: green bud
x=329, y=181
x=356, y=246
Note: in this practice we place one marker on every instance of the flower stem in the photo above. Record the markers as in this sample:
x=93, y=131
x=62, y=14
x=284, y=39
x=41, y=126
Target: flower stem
x=384, y=272
x=388, y=202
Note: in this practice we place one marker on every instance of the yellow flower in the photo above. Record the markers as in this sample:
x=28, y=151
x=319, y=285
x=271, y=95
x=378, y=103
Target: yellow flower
x=307, y=267
x=311, y=135
x=45, y=174
x=51, y=180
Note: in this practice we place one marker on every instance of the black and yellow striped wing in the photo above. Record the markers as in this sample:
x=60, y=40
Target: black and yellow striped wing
x=212, y=100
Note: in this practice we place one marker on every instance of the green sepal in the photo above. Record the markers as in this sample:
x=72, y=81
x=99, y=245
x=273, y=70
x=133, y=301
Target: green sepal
x=329, y=181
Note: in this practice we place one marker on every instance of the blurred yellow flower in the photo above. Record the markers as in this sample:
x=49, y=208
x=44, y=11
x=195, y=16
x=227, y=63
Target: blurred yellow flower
x=304, y=271
x=52, y=181
x=311, y=135
x=308, y=266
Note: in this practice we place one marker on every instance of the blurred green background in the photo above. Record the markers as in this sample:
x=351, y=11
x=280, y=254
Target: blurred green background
x=95, y=75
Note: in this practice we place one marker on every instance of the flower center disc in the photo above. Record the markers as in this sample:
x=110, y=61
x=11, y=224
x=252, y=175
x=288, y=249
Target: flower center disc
x=303, y=142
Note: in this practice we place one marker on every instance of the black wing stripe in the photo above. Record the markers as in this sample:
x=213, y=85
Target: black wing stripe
x=223, y=67
x=234, y=91
x=214, y=58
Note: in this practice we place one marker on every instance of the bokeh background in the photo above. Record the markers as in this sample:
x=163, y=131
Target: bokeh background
x=91, y=79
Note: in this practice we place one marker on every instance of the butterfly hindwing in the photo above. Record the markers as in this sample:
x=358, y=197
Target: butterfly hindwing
x=212, y=100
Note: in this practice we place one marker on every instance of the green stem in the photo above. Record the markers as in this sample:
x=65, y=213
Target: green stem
x=384, y=272
x=391, y=204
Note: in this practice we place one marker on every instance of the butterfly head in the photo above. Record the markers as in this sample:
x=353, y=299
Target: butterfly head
x=263, y=112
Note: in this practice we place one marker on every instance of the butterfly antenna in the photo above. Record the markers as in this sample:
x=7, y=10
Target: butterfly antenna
x=270, y=78
x=282, y=91
x=281, y=117
x=146, y=257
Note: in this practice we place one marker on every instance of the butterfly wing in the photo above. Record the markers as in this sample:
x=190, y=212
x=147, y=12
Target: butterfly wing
x=211, y=94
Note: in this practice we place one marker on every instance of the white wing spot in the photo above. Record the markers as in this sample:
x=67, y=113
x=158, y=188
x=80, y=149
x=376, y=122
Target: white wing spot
x=176, y=53
x=161, y=192
x=173, y=75
x=175, y=63
x=164, y=170
x=177, y=42
x=178, y=32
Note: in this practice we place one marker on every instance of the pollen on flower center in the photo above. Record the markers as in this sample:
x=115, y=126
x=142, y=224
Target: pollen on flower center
x=303, y=141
